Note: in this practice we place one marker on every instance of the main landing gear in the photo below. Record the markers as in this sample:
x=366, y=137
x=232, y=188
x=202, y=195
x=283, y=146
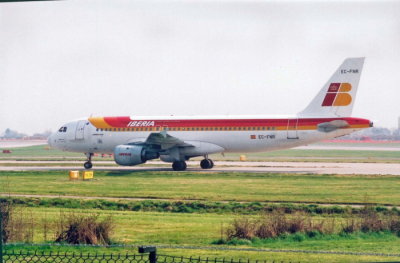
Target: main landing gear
x=179, y=166
x=206, y=163
x=88, y=164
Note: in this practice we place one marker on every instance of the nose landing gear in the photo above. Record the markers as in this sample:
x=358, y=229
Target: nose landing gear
x=88, y=164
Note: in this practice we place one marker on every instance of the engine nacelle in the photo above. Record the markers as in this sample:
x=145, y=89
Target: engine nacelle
x=132, y=155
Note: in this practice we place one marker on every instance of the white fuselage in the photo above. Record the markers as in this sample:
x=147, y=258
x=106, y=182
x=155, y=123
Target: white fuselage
x=83, y=136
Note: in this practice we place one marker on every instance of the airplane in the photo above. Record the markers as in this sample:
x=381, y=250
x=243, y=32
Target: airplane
x=134, y=140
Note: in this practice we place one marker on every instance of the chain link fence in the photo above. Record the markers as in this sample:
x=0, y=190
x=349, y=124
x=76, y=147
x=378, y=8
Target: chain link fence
x=47, y=257
x=42, y=257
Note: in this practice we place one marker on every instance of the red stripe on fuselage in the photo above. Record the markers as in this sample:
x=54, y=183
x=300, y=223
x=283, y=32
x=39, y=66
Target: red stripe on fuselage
x=117, y=121
x=123, y=122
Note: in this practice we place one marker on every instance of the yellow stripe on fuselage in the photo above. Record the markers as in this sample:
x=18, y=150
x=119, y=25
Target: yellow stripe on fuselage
x=99, y=122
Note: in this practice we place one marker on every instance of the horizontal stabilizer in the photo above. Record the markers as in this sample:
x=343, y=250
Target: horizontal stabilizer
x=332, y=125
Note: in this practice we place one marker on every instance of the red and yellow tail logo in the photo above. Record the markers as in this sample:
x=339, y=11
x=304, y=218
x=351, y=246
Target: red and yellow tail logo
x=338, y=95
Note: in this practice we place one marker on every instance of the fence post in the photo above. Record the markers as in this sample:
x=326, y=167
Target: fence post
x=152, y=253
x=1, y=235
x=153, y=256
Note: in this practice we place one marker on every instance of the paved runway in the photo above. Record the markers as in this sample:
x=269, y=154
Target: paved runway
x=354, y=147
x=224, y=166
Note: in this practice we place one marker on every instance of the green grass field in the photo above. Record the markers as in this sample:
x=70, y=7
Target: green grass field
x=210, y=186
x=200, y=230
x=37, y=151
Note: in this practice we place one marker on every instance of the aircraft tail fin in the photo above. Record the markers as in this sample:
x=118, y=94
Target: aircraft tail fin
x=336, y=98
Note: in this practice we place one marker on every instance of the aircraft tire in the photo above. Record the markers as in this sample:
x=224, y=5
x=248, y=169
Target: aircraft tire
x=88, y=165
x=206, y=164
x=179, y=166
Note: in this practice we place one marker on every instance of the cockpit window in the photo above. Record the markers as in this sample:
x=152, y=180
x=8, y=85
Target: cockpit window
x=62, y=129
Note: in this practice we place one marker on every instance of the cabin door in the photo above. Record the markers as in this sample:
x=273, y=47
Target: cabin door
x=80, y=130
x=292, y=129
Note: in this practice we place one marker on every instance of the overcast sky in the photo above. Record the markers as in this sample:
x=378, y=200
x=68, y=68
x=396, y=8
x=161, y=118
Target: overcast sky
x=64, y=60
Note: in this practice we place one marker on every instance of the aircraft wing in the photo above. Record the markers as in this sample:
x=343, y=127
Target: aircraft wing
x=165, y=140
x=161, y=139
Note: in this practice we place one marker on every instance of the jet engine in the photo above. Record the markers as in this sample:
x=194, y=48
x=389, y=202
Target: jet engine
x=133, y=155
